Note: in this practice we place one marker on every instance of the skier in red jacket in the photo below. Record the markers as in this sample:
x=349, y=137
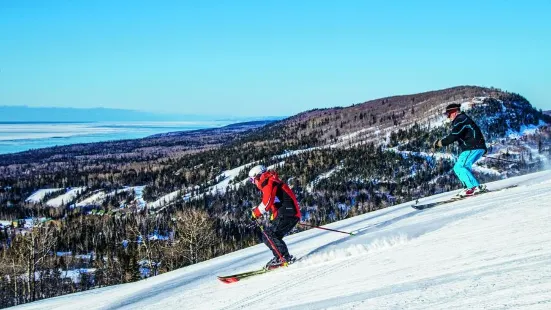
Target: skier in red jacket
x=281, y=202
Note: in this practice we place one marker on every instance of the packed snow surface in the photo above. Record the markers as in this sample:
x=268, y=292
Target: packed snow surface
x=491, y=251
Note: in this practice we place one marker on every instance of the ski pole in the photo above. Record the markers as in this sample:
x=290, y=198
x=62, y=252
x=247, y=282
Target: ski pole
x=271, y=243
x=319, y=227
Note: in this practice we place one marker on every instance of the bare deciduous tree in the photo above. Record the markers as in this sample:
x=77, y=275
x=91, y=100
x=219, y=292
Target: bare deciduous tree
x=195, y=234
x=32, y=249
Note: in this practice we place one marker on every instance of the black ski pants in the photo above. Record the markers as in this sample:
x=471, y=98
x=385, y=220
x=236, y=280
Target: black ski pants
x=275, y=232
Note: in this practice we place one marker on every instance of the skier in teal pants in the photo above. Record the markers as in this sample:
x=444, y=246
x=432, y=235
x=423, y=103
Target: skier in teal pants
x=472, y=144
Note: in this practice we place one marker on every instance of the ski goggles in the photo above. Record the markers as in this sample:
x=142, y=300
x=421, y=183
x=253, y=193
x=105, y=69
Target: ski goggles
x=449, y=112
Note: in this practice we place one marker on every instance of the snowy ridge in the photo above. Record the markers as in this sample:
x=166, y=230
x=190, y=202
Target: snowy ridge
x=491, y=251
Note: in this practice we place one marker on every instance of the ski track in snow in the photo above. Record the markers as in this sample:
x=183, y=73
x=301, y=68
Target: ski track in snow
x=491, y=251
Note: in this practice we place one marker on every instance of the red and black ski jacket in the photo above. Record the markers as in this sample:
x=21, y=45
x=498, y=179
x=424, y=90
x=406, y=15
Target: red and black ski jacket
x=277, y=197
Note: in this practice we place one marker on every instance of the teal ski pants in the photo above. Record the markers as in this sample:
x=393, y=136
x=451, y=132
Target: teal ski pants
x=462, y=167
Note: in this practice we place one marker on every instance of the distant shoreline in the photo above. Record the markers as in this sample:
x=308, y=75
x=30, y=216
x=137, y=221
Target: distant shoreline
x=192, y=136
x=16, y=137
x=45, y=122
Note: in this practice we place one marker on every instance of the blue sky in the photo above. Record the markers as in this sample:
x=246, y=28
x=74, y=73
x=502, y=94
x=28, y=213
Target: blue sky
x=252, y=58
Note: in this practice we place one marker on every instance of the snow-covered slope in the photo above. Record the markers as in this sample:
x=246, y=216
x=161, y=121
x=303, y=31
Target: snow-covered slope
x=99, y=197
x=39, y=195
x=65, y=198
x=486, y=252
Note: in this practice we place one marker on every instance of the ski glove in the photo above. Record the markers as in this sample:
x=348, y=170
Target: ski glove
x=253, y=217
x=437, y=144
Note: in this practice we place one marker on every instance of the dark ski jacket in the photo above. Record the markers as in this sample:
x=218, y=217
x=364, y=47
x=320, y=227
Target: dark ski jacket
x=466, y=133
x=277, y=197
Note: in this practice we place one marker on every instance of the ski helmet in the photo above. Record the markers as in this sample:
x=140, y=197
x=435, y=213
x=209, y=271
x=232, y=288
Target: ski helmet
x=256, y=171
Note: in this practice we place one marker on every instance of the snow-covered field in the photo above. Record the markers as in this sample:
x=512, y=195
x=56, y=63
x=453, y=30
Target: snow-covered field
x=486, y=252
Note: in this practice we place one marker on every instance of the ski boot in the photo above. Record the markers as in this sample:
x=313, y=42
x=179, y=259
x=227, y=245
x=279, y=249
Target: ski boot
x=276, y=262
x=480, y=189
x=472, y=191
x=272, y=262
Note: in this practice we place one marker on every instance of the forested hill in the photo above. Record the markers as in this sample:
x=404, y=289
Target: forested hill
x=135, y=203
x=324, y=126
